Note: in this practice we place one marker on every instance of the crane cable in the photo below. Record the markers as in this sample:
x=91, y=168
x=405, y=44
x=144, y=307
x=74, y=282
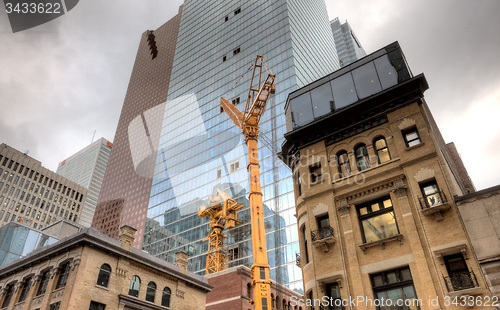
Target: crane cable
x=268, y=70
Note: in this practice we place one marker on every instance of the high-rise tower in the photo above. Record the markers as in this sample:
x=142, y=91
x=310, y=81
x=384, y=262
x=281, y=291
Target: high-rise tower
x=87, y=168
x=199, y=149
x=124, y=193
x=349, y=48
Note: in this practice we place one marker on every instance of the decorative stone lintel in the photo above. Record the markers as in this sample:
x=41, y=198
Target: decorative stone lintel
x=329, y=279
x=462, y=248
x=324, y=243
x=381, y=242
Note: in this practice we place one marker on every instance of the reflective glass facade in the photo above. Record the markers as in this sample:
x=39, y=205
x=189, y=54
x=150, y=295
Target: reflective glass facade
x=200, y=150
x=87, y=168
x=349, y=48
x=17, y=241
x=362, y=79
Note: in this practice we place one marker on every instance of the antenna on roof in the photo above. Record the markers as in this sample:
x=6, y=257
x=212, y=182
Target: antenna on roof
x=93, y=137
x=26, y=152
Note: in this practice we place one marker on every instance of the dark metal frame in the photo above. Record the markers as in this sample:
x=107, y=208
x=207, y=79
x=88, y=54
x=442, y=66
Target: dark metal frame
x=321, y=233
x=424, y=203
x=461, y=281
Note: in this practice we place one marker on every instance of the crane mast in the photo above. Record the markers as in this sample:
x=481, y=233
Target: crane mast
x=248, y=122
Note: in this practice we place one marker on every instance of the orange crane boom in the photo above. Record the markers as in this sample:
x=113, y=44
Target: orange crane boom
x=248, y=122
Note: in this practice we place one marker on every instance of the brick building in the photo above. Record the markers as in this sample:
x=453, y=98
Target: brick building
x=233, y=291
x=374, y=187
x=92, y=271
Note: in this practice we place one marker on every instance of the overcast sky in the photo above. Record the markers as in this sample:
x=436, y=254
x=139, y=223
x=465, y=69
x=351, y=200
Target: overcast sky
x=61, y=81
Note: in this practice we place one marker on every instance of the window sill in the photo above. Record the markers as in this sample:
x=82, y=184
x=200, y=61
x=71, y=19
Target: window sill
x=102, y=287
x=415, y=146
x=436, y=210
x=382, y=242
x=467, y=292
x=59, y=289
x=324, y=243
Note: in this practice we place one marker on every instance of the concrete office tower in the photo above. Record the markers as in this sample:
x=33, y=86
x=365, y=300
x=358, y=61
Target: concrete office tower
x=124, y=193
x=34, y=195
x=375, y=190
x=348, y=47
x=201, y=150
x=87, y=168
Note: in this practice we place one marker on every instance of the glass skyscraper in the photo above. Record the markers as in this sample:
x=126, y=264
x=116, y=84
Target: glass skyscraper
x=87, y=168
x=200, y=150
x=349, y=48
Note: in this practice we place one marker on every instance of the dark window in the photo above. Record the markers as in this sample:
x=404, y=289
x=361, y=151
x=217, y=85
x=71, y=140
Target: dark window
x=381, y=150
x=343, y=163
x=152, y=44
x=226, y=18
x=299, y=185
x=315, y=171
x=249, y=290
x=458, y=273
x=135, y=285
x=333, y=293
x=324, y=229
x=165, y=298
x=432, y=195
x=26, y=289
x=104, y=273
x=304, y=235
x=396, y=284
x=236, y=51
x=233, y=254
x=224, y=58
x=63, y=276
x=8, y=296
x=411, y=137
x=236, y=101
x=43, y=283
x=237, y=11
x=362, y=159
x=151, y=292
x=219, y=173
x=55, y=306
x=221, y=109
x=235, y=166
x=96, y=306
x=377, y=220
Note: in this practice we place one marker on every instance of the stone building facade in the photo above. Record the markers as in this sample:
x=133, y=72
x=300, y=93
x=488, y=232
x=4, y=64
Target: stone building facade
x=34, y=195
x=374, y=188
x=92, y=271
x=233, y=291
x=481, y=214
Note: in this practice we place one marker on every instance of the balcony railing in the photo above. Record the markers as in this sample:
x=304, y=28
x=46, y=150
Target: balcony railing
x=461, y=281
x=433, y=200
x=297, y=259
x=321, y=233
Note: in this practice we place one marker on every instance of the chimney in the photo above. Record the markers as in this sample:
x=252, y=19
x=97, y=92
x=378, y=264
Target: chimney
x=181, y=260
x=127, y=237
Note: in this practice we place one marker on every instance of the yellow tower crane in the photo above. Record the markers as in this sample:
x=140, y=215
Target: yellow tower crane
x=223, y=212
x=248, y=122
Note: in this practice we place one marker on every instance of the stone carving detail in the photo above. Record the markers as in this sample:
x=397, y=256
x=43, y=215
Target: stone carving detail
x=400, y=190
x=180, y=294
x=121, y=272
x=320, y=209
x=406, y=123
x=371, y=190
x=343, y=207
x=424, y=174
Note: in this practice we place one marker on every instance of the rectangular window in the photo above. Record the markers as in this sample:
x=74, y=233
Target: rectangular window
x=306, y=251
x=315, y=171
x=233, y=253
x=411, y=137
x=236, y=51
x=299, y=185
x=219, y=173
x=43, y=283
x=96, y=306
x=25, y=291
x=226, y=18
x=8, y=296
x=237, y=11
x=224, y=58
x=63, y=276
x=432, y=195
x=235, y=166
x=236, y=101
x=459, y=276
x=21, y=169
x=396, y=284
x=324, y=228
x=377, y=220
x=55, y=306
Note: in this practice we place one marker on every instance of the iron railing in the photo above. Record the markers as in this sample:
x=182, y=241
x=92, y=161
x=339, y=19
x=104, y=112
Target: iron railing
x=321, y=233
x=433, y=200
x=461, y=281
x=297, y=259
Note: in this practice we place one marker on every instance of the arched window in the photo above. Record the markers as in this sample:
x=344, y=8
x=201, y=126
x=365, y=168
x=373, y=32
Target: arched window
x=284, y=305
x=272, y=301
x=381, y=150
x=277, y=303
x=104, y=273
x=150, y=292
x=343, y=163
x=135, y=285
x=165, y=299
x=362, y=159
x=249, y=290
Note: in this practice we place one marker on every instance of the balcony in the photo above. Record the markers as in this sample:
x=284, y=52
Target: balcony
x=434, y=204
x=322, y=237
x=462, y=284
x=297, y=259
